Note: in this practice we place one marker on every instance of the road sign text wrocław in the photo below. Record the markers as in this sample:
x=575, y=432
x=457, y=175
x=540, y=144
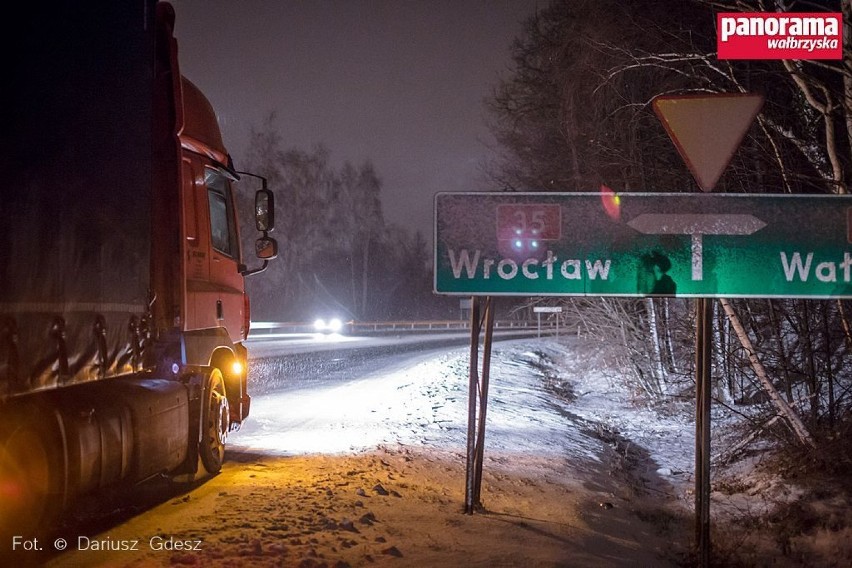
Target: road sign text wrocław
x=643, y=244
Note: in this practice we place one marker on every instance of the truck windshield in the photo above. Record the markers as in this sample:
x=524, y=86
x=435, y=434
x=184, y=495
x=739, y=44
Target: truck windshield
x=223, y=234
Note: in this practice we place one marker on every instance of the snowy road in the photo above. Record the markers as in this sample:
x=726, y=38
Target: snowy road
x=273, y=344
x=356, y=400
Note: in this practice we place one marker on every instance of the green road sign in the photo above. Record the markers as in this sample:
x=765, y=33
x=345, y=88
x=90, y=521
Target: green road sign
x=643, y=244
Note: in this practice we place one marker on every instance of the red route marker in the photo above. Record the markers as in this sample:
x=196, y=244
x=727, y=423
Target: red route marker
x=542, y=221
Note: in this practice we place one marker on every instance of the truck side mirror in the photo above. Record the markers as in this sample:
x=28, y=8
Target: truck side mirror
x=266, y=248
x=264, y=211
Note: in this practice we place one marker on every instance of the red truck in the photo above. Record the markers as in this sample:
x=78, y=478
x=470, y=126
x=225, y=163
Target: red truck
x=123, y=310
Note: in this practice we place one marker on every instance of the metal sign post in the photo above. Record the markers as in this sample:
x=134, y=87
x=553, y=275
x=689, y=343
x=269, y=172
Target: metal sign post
x=703, y=352
x=477, y=393
x=472, y=398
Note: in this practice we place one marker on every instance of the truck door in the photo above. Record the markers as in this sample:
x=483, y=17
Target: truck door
x=225, y=276
x=214, y=286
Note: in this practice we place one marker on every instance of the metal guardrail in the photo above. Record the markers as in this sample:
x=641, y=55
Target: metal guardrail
x=259, y=328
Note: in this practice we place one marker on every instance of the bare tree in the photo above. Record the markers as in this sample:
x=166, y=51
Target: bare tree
x=337, y=254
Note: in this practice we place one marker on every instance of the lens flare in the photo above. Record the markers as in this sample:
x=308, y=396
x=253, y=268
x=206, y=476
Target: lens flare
x=611, y=202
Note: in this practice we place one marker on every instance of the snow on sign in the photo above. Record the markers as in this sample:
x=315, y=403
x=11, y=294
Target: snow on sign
x=654, y=244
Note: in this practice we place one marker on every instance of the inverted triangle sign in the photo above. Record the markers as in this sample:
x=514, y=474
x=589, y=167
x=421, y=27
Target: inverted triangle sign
x=707, y=129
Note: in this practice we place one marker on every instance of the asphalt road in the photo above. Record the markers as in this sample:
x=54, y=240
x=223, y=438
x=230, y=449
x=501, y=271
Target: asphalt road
x=289, y=361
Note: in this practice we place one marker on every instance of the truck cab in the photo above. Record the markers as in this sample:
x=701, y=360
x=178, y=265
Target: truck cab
x=215, y=318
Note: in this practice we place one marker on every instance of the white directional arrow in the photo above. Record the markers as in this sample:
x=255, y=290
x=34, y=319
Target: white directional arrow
x=696, y=225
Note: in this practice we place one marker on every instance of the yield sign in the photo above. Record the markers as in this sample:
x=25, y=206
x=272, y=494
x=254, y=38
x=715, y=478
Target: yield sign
x=707, y=129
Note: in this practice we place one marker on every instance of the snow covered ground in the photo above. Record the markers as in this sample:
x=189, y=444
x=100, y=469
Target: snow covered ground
x=553, y=400
x=577, y=473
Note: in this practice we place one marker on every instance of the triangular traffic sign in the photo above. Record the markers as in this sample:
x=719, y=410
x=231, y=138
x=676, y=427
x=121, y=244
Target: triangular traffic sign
x=707, y=129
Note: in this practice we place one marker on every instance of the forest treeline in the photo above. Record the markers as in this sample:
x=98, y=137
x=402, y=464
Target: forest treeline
x=575, y=114
x=337, y=256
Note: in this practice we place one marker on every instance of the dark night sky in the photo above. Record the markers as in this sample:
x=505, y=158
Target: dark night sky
x=399, y=82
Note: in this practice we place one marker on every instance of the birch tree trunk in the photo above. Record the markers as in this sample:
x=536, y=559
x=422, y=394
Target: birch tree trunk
x=667, y=331
x=655, y=339
x=720, y=342
x=784, y=409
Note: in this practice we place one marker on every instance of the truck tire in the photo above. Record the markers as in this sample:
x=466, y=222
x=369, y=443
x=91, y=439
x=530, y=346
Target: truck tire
x=215, y=423
x=30, y=500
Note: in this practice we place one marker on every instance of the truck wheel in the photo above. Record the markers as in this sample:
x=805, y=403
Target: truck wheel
x=215, y=422
x=27, y=499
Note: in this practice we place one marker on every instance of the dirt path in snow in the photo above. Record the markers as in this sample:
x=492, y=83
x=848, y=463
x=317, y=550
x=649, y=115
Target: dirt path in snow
x=392, y=507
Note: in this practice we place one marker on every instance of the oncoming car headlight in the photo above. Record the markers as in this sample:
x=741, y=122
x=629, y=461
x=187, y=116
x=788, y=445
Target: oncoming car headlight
x=334, y=325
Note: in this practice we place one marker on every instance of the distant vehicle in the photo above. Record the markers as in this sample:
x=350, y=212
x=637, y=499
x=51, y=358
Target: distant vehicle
x=329, y=325
x=123, y=309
